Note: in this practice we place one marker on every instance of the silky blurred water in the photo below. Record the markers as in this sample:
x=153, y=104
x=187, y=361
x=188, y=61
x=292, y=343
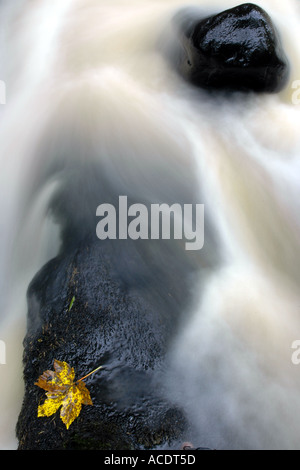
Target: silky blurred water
x=98, y=64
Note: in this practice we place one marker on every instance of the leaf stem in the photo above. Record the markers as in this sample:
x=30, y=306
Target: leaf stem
x=90, y=373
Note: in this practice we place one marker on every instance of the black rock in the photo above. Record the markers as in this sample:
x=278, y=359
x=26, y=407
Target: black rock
x=238, y=49
x=126, y=330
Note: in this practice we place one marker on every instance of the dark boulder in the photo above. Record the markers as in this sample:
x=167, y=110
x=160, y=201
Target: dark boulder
x=238, y=49
x=126, y=330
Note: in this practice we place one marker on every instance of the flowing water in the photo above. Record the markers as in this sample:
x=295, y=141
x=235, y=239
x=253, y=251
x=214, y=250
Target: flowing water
x=98, y=64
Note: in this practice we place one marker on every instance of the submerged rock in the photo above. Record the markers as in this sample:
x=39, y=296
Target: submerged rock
x=238, y=49
x=110, y=323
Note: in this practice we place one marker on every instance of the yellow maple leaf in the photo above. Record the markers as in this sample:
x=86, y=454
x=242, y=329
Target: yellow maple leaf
x=62, y=391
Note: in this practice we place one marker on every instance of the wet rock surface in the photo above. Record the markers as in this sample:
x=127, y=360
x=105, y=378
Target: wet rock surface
x=124, y=329
x=238, y=50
